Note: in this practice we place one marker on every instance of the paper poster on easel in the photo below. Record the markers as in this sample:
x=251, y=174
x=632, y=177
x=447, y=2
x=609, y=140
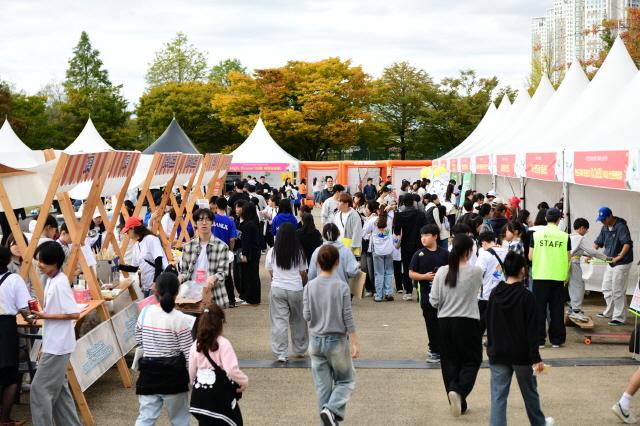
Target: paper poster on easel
x=96, y=352
x=634, y=306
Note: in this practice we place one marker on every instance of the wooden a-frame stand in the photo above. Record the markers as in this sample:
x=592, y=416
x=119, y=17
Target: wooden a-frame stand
x=71, y=169
x=189, y=167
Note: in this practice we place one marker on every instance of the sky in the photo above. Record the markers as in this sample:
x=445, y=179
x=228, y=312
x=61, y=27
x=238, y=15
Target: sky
x=440, y=36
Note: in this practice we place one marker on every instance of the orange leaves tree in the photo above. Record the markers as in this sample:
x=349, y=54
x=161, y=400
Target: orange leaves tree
x=310, y=108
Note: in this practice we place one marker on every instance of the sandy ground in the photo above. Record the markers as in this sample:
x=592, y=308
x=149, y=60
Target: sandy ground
x=390, y=331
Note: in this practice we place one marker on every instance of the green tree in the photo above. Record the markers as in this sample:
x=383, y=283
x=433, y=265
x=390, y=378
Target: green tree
x=190, y=103
x=5, y=99
x=506, y=90
x=179, y=62
x=90, y=93
x=219, y=74
x=452, y=113
x=539, y=66
x=401, y=94
x=310, y=108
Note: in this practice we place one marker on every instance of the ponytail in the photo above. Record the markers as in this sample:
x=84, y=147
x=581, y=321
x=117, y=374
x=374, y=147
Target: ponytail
x=460, y=249
x=167, y=286
x=209, y=328
x=382, y=218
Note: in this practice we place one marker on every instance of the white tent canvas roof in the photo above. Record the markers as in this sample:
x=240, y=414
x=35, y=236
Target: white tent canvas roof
x=483, y=126
x=9, y=141
x=89, y=140
x=259, y=149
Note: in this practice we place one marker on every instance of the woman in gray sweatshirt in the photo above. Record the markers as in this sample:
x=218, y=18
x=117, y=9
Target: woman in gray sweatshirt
x=454, y=293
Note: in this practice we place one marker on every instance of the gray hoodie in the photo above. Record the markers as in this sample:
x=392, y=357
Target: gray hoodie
x=347, y=269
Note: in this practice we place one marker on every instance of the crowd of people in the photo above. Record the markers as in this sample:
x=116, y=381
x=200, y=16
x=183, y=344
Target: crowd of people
x=486, y=273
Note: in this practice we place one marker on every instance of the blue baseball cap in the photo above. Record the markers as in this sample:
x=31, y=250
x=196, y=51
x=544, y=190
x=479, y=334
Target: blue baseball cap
x=603, y=213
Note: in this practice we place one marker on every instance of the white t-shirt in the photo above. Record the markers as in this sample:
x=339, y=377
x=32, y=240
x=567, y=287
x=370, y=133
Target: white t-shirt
x=14, y=295
x=167, y=224
x=286, y=279
x=58, y=336
x=201, y=271
x=491, y=271
x=147, y=251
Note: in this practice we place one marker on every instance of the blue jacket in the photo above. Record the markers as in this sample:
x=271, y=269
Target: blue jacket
x=283, y=218
x=613, y=240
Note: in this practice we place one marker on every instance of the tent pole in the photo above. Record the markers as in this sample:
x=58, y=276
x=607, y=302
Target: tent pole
x=522, y=193
x=565, y=196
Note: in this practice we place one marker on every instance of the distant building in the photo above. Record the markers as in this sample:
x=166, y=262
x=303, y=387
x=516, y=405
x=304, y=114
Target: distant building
x=571, y=29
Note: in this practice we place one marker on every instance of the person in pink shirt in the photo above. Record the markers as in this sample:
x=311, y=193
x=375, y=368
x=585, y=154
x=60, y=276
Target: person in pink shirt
x=217, y=380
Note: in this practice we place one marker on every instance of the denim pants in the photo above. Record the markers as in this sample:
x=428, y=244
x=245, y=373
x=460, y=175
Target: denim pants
x=177, y=408
x=332, y=371
x=500, y=384
x=383, y=270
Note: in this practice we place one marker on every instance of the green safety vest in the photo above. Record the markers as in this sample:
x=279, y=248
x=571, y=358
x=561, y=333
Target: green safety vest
x=550, y=254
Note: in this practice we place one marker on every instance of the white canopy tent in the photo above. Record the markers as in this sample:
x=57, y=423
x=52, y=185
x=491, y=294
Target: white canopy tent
x=260, y=154
x=481, y=129
x=89, y=140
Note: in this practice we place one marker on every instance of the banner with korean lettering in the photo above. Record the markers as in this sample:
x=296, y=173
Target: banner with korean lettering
x=465, y=164
x=541, y=165
x=506, y=165
x=483, y=165
x=606, y=169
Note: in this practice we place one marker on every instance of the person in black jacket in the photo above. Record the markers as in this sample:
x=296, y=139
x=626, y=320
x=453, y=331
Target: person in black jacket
x=512, y=344
x=309, y=236
x=249, y=254
x=238, y=195
x=407, y=224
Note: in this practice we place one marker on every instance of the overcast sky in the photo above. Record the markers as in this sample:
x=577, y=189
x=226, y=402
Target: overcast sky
x=440, y=36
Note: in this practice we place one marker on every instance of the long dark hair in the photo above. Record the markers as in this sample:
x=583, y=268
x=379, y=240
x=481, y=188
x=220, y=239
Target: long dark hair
x=209, y=328
x=249, y=213
x=541, y=218
x=460, y=249
x=308, y=224
x=287, y=250
x=167, y=286
x=141, y=232
x=383, y=217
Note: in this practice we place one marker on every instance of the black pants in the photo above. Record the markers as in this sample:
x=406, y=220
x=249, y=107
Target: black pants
x=550, y=294
x=406, y=261
x=430, y=315
x=482, y=307
x=228, y=284
x=397, y=274
x=369, y=283
x=249, y=273
x=460, y=354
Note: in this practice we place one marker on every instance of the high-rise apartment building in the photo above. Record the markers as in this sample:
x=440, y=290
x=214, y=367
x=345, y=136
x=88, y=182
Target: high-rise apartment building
x=571, y=29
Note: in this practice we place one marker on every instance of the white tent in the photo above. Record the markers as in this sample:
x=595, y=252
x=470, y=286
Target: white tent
x=260, y=154
x=483, y=126
x=9, y=141
x=89, y=140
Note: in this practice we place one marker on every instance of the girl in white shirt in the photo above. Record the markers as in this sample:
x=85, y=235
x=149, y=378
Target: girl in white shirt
x=288, y=268
x=51, y=400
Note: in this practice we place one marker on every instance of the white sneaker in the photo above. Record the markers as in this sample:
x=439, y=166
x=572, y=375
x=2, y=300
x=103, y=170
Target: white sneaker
x=627, y=417
x=282, y=358
x=407, y=297
x=401, y=291
x=455, y=404
x=368, y=294
x=579, y=316
x=549, y=421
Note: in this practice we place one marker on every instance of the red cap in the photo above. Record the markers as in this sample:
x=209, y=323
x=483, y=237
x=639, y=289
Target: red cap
x=132, y=222
x=515, y=202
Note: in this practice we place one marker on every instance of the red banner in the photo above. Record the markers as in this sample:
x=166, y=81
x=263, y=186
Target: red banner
x=607, y=169
x=453, y=165
x=465, y=164
x=506, y=165
x=483, y=163
x=541, y=165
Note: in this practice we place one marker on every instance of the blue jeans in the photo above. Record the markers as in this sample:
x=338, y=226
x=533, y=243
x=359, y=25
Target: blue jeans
x=333, y=372
x=444, y=243
x=383, y=271
x=177, y=408
x=501, y=381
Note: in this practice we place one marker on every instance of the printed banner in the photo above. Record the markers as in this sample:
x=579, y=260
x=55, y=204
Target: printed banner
x=124, y=164
x=453, y=165
x=541, y=165
x=506, y=165
x=96, y=352
x=607, y=169
x=167, y=164
x=124, y=325
x=465, y=164
x=259, y=167
x=483, y=165
x=82, y=168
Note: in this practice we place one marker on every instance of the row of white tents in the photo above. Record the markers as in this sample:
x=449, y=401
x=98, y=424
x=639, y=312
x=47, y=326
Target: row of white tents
x=579, y=143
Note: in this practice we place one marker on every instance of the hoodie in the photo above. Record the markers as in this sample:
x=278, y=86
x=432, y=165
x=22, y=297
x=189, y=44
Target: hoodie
x=281, y=218
x=512, y=337
x=408, y=223
x=347, y=268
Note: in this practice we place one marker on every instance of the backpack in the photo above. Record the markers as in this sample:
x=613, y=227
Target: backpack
x=431, y=220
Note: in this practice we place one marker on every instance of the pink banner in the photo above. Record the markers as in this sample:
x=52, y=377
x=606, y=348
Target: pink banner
x=607, y=169
x=258, y=167
x=541, y=165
